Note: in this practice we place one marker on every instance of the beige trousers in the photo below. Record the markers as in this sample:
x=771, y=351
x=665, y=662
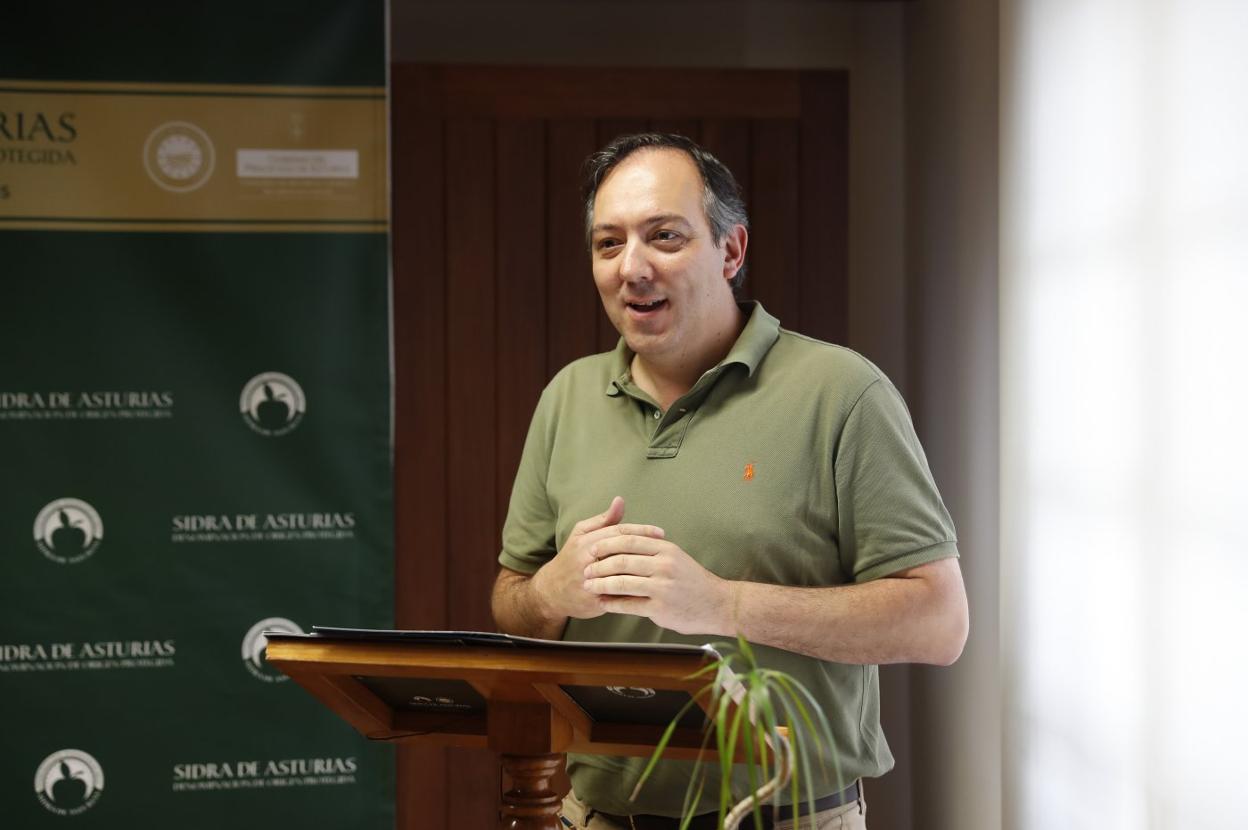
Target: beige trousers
x=852, y=816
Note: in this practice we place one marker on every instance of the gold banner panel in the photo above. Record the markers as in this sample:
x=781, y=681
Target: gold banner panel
x=192, y=157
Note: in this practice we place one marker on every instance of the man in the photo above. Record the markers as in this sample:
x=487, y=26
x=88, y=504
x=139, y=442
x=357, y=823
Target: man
x=772, y=484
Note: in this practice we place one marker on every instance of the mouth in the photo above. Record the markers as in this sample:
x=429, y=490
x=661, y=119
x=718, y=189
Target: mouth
x=645, y=308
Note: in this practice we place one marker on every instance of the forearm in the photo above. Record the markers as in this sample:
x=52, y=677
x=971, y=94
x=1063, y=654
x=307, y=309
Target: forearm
x=896, y=619
x=519, y=608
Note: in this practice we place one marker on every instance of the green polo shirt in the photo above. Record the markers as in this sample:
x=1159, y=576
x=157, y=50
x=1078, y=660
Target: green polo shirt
x=791, y=462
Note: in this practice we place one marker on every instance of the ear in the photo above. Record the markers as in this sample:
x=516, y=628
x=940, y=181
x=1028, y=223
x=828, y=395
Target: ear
x=735, y=242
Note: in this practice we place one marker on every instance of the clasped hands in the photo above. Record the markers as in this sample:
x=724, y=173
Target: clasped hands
x=606, y=566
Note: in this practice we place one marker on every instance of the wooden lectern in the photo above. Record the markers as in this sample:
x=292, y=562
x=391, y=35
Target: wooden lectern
x=532, y=701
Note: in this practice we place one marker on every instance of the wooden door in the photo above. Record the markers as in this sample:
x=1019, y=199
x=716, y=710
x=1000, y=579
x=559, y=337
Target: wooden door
x=493, y=295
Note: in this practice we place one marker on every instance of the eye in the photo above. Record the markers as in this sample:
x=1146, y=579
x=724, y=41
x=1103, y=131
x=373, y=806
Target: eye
x=667, y=236
x=606, y=244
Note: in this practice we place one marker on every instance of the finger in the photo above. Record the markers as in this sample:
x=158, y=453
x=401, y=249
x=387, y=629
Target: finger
x=621, y=564
x=638, y=530
x=620, y=585
x=637, y=606
x=610, y=516
x=626, y=544
x=625, y=530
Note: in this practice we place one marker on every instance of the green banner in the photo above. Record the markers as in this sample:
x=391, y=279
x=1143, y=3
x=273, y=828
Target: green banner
x=195, y=429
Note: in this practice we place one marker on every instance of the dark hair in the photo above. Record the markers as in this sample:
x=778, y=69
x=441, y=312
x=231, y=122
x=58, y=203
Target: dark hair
x=721, y=195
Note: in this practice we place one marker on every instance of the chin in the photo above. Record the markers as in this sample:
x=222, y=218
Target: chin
x=644, y=345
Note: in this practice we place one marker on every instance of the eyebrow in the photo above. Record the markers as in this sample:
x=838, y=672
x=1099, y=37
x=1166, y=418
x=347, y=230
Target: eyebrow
x=657, y=219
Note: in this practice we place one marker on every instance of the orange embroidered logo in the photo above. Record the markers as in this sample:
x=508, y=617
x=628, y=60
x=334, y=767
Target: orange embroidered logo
x=749, y=472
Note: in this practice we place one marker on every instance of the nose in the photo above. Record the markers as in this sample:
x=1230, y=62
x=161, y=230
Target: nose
x=635, y=263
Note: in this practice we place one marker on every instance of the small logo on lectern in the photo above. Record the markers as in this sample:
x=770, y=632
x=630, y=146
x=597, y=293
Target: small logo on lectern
x=254, y=643
x=631, y=691
x=69, y=782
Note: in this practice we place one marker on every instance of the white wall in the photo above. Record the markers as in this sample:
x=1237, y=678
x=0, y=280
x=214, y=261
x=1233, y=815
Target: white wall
x=1125, y=475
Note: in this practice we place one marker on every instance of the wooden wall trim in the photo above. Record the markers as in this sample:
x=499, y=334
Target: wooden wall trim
x=559, y=92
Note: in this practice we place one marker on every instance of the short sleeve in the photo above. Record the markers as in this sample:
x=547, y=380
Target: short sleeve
x=529, y=530
x=890, y=514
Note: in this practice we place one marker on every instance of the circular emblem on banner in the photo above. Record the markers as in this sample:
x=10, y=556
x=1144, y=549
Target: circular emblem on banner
x=179, y=156
x=254, y=643
x=69, y=782
x=272, y=403
x=631, y=691
x=68, y=531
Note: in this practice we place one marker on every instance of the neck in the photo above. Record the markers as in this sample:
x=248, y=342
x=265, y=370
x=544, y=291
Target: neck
x=666, y=377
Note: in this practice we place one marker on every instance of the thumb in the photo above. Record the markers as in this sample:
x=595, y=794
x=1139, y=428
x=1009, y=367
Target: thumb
x=611, y=516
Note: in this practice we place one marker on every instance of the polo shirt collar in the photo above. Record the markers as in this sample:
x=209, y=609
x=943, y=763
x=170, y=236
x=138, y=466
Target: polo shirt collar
x=756, y=339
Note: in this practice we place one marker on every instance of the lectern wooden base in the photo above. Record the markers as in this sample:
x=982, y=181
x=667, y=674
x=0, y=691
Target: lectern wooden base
x=531, y=803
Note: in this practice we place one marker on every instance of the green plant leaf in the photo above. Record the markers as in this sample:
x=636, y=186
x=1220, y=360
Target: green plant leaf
x=824, y=730
x=767, y=713
x=802, y=756
x=666, y=737
x=769, y=699
x=688, y=810
x=725, y=756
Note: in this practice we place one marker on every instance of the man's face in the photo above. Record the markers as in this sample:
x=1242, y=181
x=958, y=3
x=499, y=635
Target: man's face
x=662, y=280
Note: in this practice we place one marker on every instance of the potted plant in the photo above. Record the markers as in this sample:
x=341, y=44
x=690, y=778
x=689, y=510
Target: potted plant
x=772, y=718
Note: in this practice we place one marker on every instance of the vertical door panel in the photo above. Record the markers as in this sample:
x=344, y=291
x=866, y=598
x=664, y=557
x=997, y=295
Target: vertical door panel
x=520, y=275
x=471, y=369
x=688, y=127
x=472, y=774
x=824, y=178
x=774, y=266
x=572, y=303
x=420, y=416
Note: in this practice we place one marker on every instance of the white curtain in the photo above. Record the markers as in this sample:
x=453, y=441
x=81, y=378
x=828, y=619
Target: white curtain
x=1124, y=326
